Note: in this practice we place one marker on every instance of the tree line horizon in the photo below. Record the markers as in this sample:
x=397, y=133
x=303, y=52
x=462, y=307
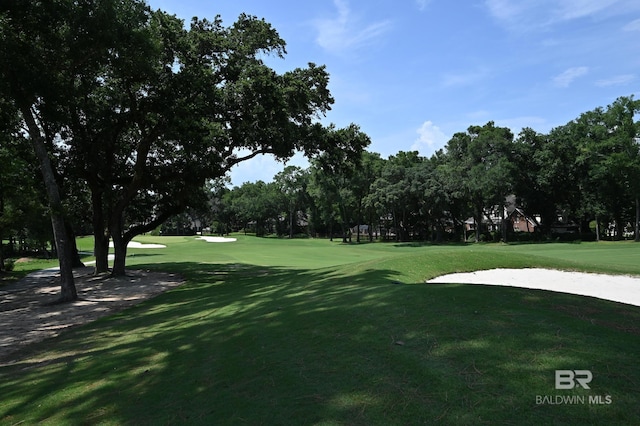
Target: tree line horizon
x=586, y=171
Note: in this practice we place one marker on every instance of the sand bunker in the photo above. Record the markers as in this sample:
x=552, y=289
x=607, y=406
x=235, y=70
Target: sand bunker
x=135, y=244
x=617, y=288
x=217, y=239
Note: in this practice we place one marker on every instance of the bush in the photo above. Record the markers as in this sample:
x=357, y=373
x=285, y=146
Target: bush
x=525, y=237
x=573, y=237
x=9, y=264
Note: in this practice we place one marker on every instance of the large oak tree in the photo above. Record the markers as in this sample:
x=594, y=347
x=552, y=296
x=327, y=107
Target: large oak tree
x=149, y=110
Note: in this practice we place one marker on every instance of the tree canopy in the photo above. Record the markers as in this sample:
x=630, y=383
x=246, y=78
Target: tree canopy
x=146, y=110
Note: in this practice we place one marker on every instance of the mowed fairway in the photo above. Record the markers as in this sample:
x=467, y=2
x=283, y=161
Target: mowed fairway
x=269, y=331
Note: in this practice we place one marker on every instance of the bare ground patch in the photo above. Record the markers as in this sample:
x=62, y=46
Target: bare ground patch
x=27, y=314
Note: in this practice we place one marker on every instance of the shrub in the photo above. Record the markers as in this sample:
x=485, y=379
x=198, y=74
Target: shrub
x=9, y=265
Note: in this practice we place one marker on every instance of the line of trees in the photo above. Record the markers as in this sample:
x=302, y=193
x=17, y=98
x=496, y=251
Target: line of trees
x=587, y=172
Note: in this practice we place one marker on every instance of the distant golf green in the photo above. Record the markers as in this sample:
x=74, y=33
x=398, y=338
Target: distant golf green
x=273, y=331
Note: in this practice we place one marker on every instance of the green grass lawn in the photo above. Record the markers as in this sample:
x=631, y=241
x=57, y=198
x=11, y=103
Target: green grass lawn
x=25, y=267
x=269, y=331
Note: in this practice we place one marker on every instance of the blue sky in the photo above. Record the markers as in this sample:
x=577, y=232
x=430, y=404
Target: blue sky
x=411, y=73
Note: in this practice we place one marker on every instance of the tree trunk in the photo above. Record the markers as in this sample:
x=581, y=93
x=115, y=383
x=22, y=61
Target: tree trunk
x=597, y=229
x=101, y=252
x=291, y=223
x=1, y=254
x=76, y=261
x=119, y=246
x=344, y=232
x=395, y=225
x=637, y=230
x=65, y=256
x=119, y=262
x=503, y=224
x=1, y=236
x=120, y=250
x=478, y=220
x=100, y=235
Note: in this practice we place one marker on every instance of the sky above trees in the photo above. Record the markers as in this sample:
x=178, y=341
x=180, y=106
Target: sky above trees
x=413, y=73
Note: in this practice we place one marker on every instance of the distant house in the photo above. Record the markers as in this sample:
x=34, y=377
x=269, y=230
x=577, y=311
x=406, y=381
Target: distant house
x=561, y=227
x=490, y=222
x=518, y=220
x=521, y=222
x=364, y=229
x=470, y=224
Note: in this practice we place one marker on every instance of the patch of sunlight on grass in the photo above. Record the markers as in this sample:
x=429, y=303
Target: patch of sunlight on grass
x=557, y=359
x=354, y=400
x=474, y=344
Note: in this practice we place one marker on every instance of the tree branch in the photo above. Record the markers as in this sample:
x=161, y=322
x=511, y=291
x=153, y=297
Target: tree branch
x=248, y=157
x=150, y=226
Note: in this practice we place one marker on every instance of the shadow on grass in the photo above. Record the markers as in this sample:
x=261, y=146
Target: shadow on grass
x=433, y=244
x=252, y=344
x=134, y=254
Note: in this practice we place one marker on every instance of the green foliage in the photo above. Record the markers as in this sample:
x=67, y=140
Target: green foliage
x=292, y=185
x=153, y=110
x=23, y=211
x=256, y=206
x=9, y=264
x=335, y=186
x=586, y=169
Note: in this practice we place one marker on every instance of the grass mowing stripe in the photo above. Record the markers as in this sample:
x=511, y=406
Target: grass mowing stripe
x=335, y=343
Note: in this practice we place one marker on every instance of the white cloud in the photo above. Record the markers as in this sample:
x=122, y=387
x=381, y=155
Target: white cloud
x=345, y=32
x=516, y=124
x=566, y=78
x=506, y=10
x=632, y=26
x=422, y=4
x=523, y=15
x=617, y=80
x=573, y=9
x=430, y=139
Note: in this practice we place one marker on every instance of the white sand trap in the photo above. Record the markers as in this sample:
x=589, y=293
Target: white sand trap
x=135, y=244
x=217, y=239
x=93, y=262
x=617, y=288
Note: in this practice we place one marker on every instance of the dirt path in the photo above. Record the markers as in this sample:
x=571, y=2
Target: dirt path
x=26, y=315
